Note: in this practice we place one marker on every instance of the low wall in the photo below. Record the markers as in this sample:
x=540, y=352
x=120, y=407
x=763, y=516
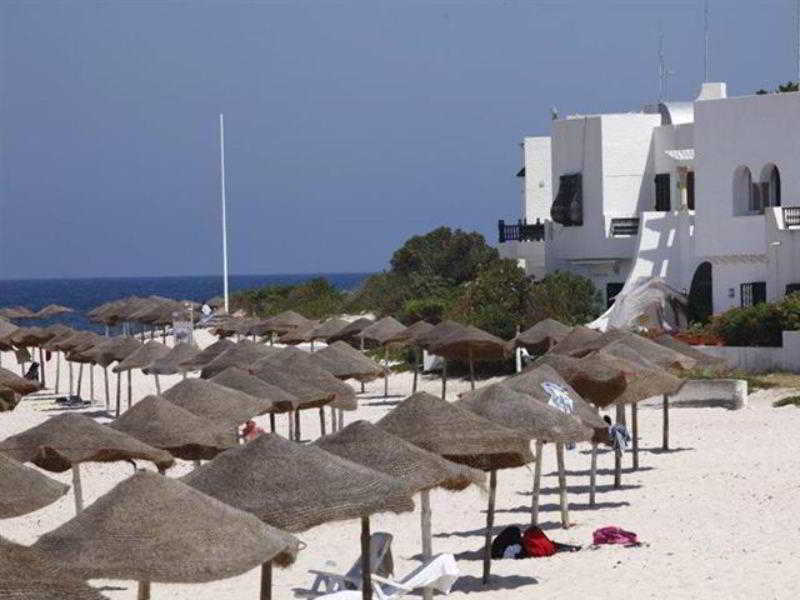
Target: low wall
x=727, y=393
x=756, y=359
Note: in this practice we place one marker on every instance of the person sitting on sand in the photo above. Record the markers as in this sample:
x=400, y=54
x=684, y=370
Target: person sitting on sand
x=618, y=435
x=251, y=431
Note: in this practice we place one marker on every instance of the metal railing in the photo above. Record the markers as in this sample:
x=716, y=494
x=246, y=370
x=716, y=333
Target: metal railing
x=521, y=232
x=620, y=227
x=791, y=216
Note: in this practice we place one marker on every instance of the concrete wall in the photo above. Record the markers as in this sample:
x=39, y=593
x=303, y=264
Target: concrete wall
x=730, y=393
x=537, y=188
x=758, y=360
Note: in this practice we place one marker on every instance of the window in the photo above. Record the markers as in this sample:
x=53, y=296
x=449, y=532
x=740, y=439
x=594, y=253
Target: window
x=770, y=186
x=753, y=293
x=792, y=288
x=567, y=207
x=612, y=289
x=690, y=190
x=743, y=202
x=662, y=192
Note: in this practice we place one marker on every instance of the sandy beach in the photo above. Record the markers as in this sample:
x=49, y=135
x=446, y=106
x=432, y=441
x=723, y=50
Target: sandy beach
x=717, y=514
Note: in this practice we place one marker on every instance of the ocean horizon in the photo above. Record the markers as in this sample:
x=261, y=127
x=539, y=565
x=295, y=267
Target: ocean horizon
x=83, y=294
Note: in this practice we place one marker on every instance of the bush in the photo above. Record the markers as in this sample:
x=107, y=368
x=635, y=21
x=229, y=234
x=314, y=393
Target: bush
x=565, y=297
x=790, y=401
x=759, y=325
x=314, y=299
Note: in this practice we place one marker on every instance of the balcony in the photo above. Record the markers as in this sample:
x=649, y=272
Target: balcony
x=624, y=227
x=521, y=232
x=791, y=216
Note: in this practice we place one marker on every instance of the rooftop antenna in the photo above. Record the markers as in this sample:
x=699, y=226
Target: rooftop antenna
x=797, y=38
x=224, y=219
x=706, y=28
x=664, y=73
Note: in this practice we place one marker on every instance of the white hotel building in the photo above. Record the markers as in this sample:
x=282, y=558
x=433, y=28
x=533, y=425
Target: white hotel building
x=703, y=194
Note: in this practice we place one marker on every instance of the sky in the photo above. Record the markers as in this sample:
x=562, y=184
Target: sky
x=349, y=126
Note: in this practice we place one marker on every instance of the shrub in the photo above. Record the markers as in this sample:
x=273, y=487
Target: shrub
x=790, y=401
x=315, y=298
x=566, y=297
x=759, y=325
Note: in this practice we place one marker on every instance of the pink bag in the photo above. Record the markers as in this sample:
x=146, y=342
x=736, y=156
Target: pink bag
x=615, y=535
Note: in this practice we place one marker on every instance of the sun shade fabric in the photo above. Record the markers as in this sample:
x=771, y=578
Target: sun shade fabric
x=159, y=423
x=154, y=528
x=71, y=438
x=24, y=490
x=296, y=487
x=456, y=434
x=363, y=443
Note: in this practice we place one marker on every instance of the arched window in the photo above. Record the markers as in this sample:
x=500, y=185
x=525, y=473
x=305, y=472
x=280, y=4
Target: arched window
x=771, y=185
x=744, y=201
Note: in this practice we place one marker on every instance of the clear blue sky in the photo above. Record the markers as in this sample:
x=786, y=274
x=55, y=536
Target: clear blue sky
x=350, y=126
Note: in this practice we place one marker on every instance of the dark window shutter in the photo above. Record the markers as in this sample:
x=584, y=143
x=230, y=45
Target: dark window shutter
x=690, y=190
x=663, y=203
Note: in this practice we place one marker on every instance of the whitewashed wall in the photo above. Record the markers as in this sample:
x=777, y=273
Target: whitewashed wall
x=753, y=359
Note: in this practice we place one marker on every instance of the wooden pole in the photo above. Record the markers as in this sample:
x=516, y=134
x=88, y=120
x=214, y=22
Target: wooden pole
x=266, y=581
x=71, y=378
x=635, y=434
x=41, y=364
x=119, y=393
x=416, y=370
x=487, y=550
x=537, y=483
x=562, y=486
x=366, y=568
x=58, y=370
x=444, y=378
x=108, y=393
x=77, y=490
x=158, y=385
x=334, y=420
x=130, y=389
x=385, y=371
x=618, y=454
x=362, y=387
x=91, y=382
x=341, y=418
x=291, y=424
x=143, y=591
x=272, y=422
x=322, y=420
x=665, y=411
x=297, y=425
x=427, y=537
x=593, y=475
x=80, y=380
x=471, y=370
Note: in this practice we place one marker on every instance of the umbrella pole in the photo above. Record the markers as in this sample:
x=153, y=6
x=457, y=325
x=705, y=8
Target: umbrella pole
x=71, y=379
x=91, y=382
x=444, y=378
x=386, y=371
x=593, y=475
x=41, y=362
x=471, y=371
x=143, y=591
x=58, y=370
x=366, y=568
x=158, y=385
x=130, y=388
x=416, y=370
x=334, y=420
x=312, y=346
x=665, y=411
x=487, y=550
x=119, y=392
x=322, y=419
x=362, y=387
x=537, y=483
x=297, y=425
x=618, y=453
x=291, y=425
x=80, y=379
x=272, y=422
x=108, y=395
x=266, y=581
x=562, y=486
x=635, y=434
x=77, y=490
x=427, y=538
x=341, y=418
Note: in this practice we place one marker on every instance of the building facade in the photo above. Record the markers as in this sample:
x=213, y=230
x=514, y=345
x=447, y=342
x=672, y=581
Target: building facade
x=702, y=194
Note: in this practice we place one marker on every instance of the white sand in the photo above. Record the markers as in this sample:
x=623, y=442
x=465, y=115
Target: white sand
x=719, y=514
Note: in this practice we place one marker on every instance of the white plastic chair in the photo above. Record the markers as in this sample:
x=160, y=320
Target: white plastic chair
x=380, y=559
x=440, y=573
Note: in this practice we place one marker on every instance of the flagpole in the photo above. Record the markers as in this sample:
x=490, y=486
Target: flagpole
x=224, y=218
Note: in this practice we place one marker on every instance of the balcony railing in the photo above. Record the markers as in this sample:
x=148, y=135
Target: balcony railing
x=791, y=216
x=620, y=227
x=521, y=232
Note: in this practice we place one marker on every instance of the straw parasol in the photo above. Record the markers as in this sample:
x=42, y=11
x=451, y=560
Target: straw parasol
x=382, y=330
x=8, y=399
x=463, y=437
x=216, y=402
x=351, y=332
x=282, y=401
x=170, y=363
x=24, y=490
x=664, y=357
x=408, y=337
x=172, y=533
x=17, y=312
x=542, y=336
x=470, y=344
x=345, y=362
x=704, y=360
x=300, y=335
x=82, y=354
x=436, y=335
x=536, y=420
x=160, y=423
x=328, y=329
x=598, y=382
x=27, y=574
x=69, y=439
x=116, y=349
x=207, y=355
x=297, y=487
x=243, y=355
x=281, y=323
x=52, y=310
x=141, y=358
x=575, y=340
x=20, y=385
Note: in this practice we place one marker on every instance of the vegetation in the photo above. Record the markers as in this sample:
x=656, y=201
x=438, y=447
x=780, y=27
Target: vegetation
x=566, y=297
x=754, y=381
x=789, y=86
x=790, y=401
x=759, y=325
x=314, y=299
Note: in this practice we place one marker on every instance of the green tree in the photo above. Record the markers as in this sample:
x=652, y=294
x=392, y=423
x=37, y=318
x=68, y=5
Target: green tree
x=566, y=297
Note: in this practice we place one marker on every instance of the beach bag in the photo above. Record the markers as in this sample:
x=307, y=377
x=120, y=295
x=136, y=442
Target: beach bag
x=536, y=544
x=615, y=535
x=510, y=536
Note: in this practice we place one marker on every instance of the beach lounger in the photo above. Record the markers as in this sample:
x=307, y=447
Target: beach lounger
x=326, y=582
x=440, y=573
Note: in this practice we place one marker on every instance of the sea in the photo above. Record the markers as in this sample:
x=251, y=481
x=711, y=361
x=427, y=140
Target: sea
x=84, y=294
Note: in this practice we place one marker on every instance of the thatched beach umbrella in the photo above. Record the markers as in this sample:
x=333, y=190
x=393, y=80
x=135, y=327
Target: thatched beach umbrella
x=171, y=363
x=17, y=312
x=300, y=335
x=470, y=344
x=207, y=355
x=217, y=403
x=435, y=336
x=20, y=385
x=345, y=362
x=172, y=533
x=296, y=487
x=82, y=354
x=461, y=436
x=27, y=574
x=161, y=424
x=8, y=399
x=141, y=358
x=378, y=334
x=536, y=420
x=351, y=332
x=543, y=336
x=27, y=337
x=282, y=401
x=578, y=337
x=52, y=310
x=24, y=490
x=66, y=343
x=409, y=337
x=116, y=349
x=595, y=381
x=704, y=361
x=328, y=329
x=244, y=355
x=281, y=323
x=363, y=443
x=69, y=439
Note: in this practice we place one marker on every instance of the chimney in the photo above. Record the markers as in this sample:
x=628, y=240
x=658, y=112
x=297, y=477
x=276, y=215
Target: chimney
x=713, y=91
